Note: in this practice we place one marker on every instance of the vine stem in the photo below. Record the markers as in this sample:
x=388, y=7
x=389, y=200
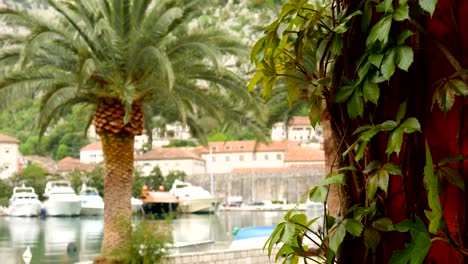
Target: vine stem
x=452, y=60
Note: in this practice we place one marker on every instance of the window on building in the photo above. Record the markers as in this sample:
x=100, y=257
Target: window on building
x=213, y=159
x=241, y=157
x=241, y=147
x=266, y=156
x=146, y=164
x=177, y=163
x=254, y=156
x=278, y=156
x=213, y=148
x=228, y=158
x=228, y=147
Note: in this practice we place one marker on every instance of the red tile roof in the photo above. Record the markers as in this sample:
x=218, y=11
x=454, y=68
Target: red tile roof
x=93, y=146
x=299, y=121
x=298, y=154
x=69, y=164
x=248, y=146
x=169, y=153
x=8, y=139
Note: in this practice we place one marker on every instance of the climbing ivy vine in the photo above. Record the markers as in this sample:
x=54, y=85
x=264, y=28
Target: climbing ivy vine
x=304, y=45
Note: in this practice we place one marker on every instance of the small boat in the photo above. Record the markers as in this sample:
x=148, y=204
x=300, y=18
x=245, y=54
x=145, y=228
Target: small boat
x=24, y=202
x=251, y=237
x=136, y=205
x=194, y=199
x=159, y=202
x=61, y=199
x=91, y=201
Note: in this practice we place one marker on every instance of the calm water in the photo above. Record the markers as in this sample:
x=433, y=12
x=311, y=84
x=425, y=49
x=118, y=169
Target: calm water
x=48, y=238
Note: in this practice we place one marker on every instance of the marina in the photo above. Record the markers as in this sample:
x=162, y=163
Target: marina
x=78, y=239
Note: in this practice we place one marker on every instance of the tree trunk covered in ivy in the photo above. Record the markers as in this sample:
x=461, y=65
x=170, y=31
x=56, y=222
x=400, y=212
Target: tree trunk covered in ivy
x=392, y=76
x=446, y=134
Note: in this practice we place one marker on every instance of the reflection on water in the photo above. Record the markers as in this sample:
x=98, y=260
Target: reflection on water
x=50, y=238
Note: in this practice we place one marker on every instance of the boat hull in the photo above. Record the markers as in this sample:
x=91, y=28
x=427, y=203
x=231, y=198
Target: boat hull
x=90, y=210
x=159, y=207
x=26, y=209
x=201, y=205
x=62, y=208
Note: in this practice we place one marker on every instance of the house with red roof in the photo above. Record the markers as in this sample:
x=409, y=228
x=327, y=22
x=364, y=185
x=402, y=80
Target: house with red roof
x=92, y=153
x=297, y=128
x=171, y=159
x=10, y=157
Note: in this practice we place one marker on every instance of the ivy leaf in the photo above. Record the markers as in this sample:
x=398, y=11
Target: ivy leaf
x=428, y=5
x=451, y=159
x=343, y=93
x=383, y=224
x=432, y=186
x=388, y=65
x=416, y=251
x=387, y=125
x=318, y=194
x=335, y=179
x=353, y=226
x=380, y=31
x=315, y=111
x=404, y=57
x=336, y=236
x=371, y=186
x=376, y=59
x=402, y=12
x=445, y=97
x=460, y=87
x=371, y=91
x=255, y=79
x=411, y=125
x=385, y=6
x=366, y=17
x=452, y=176
x=403, y=36
x=372, y=238
x=394, y=142
x=392, y=169
x=373, y=165
x=355, y=106
x=288, y=234
x=401, y=112
x=383, y=179
x=336, y=44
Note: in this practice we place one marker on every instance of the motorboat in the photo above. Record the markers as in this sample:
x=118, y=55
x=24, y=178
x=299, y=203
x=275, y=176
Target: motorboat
x=61, y=199
x=158, y=202
x=24, y=202
x=91, y=201
x=194, y=199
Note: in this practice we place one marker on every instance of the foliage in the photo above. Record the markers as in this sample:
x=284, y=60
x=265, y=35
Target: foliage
x=341, y=57
x=6, y=191
x=34, y=176
x=148, y=242
x=180, y=143
x=171, y=177
x=94, y=178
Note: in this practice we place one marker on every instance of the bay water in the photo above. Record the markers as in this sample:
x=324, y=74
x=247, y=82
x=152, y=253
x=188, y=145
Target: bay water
x=74, y=239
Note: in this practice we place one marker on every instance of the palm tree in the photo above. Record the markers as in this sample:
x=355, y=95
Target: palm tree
x=121, y=60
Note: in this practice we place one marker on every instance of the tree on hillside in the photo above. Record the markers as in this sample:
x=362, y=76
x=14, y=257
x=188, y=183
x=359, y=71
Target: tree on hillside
x=119, y=60
x=390, y=78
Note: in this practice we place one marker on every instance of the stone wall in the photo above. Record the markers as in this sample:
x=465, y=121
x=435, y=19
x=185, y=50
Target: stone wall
x=244, y=256
x=288, y=185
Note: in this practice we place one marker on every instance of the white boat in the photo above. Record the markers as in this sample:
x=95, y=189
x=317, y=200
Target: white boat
x=24, y=202
x=91, y=201
x=61, y=199
x=194, y=199
x=136, y=205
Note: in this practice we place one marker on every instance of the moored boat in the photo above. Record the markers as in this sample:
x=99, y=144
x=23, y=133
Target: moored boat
x=159, y=202
x=194, y=199
x=91, y=201
x=61, y=199
x=24, y=202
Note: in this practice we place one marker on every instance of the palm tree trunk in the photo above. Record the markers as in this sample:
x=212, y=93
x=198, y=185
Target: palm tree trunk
x=118, y=162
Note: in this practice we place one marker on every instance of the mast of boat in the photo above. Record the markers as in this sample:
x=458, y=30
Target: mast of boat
x=212, y=186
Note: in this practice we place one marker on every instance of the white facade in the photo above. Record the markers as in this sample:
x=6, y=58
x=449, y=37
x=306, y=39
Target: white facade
x=298, y=129
x=171, y=159
x=92, y=153
x=9, y=156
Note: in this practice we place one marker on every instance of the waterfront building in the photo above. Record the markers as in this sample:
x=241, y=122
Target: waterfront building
x=298, y=128
x=171, y=159
x=10, y=157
